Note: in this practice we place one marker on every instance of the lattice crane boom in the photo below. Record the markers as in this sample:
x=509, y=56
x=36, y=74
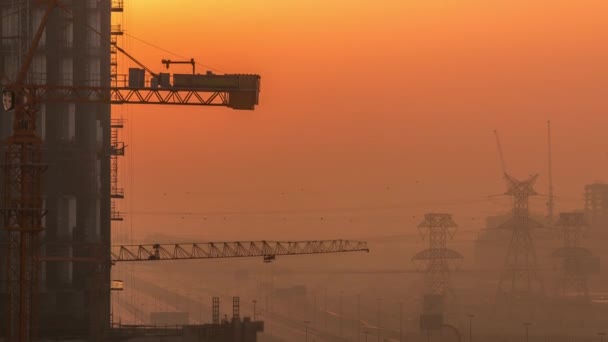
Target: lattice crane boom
x=29, y=57
x=190, y=96
x=239, y=249
x=266, y=249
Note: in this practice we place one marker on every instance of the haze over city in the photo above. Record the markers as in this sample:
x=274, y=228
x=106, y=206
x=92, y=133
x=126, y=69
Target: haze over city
x=368, y=105
x=397, y=140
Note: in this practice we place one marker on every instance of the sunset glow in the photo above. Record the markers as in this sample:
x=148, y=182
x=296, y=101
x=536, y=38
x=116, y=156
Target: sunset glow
x=360, y=96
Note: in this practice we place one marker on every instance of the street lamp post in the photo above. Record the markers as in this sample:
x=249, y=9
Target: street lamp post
x=527, y=325
x=325, y=308
x=379, y=316
x=471, y=327
x=400, y=322
x=314, y=309
x=341, y=292
x=306, y=329
x=601, y=335
x=201, y=309
x=358, y=317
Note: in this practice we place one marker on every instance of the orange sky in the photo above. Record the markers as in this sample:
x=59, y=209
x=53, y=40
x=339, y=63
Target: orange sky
x=364, y=104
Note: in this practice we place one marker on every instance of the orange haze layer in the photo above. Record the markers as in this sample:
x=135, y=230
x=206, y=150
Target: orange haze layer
x=372, y=113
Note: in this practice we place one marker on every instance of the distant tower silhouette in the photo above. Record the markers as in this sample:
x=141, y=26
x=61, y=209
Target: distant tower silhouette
x=577, y=262
x=572, y=225
x=550, y=200
x=519, y=278
x=596, y=203
x=436, y=259
x=215, y=310
x=435, y=262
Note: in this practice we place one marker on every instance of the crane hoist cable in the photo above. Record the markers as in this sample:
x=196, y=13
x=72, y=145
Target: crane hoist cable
x=173, y=53
x=500, y=154
x=166, y=62
x=135, y=60
x=67, y=10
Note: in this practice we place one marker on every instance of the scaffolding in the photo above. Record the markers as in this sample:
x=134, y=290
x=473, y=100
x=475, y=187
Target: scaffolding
x=117, y=149
x=115, y=32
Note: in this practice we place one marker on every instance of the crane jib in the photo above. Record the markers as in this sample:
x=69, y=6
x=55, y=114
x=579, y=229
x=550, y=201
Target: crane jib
x=243, y=97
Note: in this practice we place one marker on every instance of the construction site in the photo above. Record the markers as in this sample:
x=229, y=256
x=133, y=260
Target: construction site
x=81, y=260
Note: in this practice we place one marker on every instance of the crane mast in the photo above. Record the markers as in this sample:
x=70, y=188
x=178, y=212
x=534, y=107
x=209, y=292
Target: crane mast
x=22, y=207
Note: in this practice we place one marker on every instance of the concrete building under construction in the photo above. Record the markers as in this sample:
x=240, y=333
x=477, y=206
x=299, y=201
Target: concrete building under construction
x=73, y=297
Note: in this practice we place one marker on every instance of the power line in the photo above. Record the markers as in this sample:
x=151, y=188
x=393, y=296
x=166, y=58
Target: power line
x=346, y=209
x=67, y=10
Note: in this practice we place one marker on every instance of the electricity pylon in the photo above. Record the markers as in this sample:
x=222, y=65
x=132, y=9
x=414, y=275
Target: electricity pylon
x=519, y=278
x=436, y=259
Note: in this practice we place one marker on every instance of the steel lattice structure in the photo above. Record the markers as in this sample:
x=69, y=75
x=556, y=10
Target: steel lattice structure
x=130, y=95
x=22, y=214
x=22, y=205
x=239, y=249
x=55, y=252
x=436, y=259
x=519, y=277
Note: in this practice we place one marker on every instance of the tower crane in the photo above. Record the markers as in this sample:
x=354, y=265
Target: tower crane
x=23, y=167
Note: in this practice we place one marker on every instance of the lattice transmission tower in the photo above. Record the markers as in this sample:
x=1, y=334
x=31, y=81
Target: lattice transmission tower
x=519, y=278
x=437, y=261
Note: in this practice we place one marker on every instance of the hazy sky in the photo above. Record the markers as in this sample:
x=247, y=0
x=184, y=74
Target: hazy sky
x=364, y=105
